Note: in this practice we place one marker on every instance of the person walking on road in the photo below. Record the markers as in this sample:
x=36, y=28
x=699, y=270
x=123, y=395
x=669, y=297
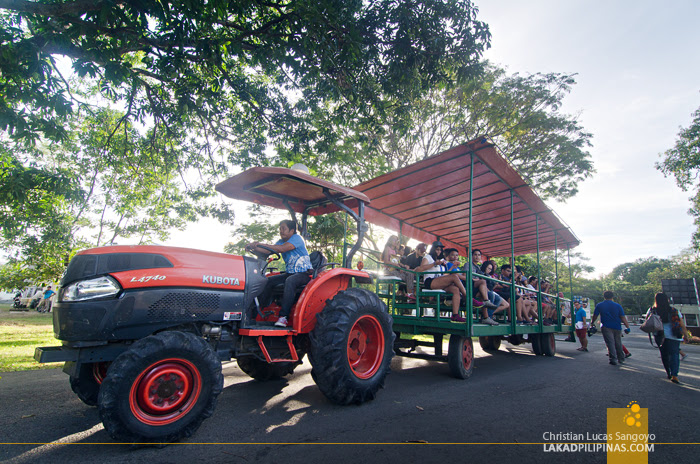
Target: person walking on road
x=673, y=334
x=612, y=316
x=581, y=326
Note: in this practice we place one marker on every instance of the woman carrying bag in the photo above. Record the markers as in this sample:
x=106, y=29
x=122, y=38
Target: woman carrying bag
x=674, y=331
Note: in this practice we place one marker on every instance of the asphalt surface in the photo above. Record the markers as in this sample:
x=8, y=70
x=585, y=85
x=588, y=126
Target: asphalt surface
x=423, y=415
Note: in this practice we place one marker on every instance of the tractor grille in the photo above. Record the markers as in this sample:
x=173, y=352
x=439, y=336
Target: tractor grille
x=184, y=305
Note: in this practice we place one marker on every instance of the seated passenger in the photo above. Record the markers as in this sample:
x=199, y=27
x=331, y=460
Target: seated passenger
x=549, y=309
x=453, y=264
x=296, y=258
x=414, y=259
x=406, y=251
x=532, y=285
x=503, y=290
x=434, y=262
x=488, y=269
x=391, y=258
x=480, y=288
x=529, y=305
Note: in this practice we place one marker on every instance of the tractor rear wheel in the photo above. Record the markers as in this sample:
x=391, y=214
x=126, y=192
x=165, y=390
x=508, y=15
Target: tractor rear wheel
x=161, y=389
x=351, y=347
x=460, y=356
x=264, y=371
x=86, y=385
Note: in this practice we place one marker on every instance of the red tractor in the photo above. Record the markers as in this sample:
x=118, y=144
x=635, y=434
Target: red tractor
x=144, y=329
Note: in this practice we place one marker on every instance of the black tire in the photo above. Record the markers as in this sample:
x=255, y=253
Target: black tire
x=175, y=367
x=264, y=371
x=548, y=344
x=515, y=339
x=460, y=356
x=536, y=342
x=490, y=343
x=351, y=347
x=86, y=385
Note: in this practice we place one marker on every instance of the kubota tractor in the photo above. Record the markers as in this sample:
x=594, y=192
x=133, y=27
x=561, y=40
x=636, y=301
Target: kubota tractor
x=144, y=329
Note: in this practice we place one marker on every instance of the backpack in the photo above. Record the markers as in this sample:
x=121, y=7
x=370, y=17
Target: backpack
x=676, y=329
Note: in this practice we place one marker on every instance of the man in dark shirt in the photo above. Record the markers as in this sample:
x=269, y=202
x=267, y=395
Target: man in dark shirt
x=503, y=290
x=415, y=259
x=612, y=316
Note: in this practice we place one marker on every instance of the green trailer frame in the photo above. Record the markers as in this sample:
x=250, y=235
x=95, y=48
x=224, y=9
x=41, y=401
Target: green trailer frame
x=467, y=196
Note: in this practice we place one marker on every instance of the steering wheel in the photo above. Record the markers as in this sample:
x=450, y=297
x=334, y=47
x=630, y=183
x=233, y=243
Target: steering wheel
x=268, y=258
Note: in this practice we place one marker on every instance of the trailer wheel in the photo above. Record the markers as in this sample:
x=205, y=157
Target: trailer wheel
x=515, y=339
x=536, y=342
x=548, y=344
x=351, y=347
x=264, y=371
x=490, y=343
x=86, y=385
x=161, y=389
x=460, y=356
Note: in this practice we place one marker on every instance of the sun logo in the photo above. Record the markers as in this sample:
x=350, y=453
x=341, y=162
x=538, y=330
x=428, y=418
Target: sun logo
x=632, y=417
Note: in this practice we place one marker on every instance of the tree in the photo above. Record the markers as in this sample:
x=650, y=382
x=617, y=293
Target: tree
x=35, y=219
x=106, y=182
x=520, y=113
x=683, y=163
x=233, y=65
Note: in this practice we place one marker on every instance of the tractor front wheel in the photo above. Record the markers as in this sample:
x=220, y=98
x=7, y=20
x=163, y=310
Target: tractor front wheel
x=351, y=347
x=161, y=389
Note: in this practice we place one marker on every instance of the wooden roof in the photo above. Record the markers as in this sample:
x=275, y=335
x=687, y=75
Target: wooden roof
x=430, y=200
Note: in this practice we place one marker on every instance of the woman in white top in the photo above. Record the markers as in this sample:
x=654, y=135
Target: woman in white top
x=434, y=262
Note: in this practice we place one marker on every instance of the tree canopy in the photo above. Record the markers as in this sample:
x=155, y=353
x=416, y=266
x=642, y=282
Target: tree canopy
x=232, y=64
x=123, y=115
x=520, y=113
x=683, y=163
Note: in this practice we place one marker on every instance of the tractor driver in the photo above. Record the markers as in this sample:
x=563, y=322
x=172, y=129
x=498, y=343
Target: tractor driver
x=296, y=258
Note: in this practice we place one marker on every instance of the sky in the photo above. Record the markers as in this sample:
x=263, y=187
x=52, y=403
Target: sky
x=637, y=66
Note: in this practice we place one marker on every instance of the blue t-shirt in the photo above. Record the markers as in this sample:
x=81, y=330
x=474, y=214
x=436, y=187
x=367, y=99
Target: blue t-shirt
x=296, y=260
x=580, y=314
x=48, y=294
x=610, y=314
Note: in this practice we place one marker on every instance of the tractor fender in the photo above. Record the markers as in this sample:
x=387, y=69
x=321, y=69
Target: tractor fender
x=324, y=287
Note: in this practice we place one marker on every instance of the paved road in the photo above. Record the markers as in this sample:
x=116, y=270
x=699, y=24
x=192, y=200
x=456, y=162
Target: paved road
x=513, y=397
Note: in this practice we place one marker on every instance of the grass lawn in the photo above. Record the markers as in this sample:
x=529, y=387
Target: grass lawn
x=20, y=333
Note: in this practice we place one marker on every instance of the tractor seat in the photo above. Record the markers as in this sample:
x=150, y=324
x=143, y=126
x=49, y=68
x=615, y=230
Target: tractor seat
x=318, y=263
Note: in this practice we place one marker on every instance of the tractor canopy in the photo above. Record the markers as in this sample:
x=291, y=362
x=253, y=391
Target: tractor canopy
x=298, y=192
x=285, y=188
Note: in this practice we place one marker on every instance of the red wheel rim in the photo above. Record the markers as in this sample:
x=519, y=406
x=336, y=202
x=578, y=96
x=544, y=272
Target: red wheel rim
x=467, y=353
x=366, y=347
x=99, y=371
x=165, y=391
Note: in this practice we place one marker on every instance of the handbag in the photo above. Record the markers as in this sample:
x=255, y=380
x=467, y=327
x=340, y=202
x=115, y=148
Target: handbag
x=653, y=323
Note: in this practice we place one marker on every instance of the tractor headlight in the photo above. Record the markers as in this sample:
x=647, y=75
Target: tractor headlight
x=100, y=287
